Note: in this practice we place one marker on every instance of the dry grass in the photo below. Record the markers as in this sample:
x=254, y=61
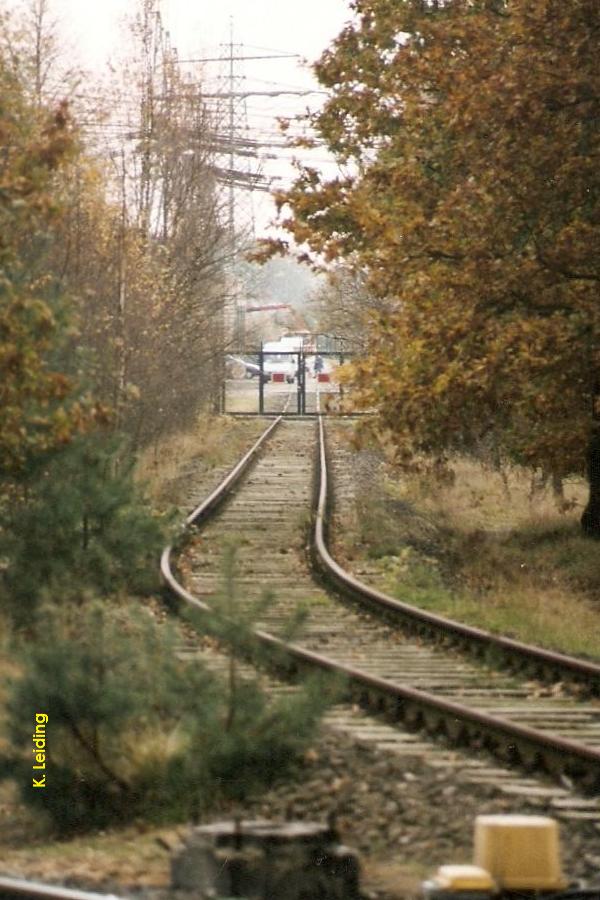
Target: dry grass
x=483, y=547
x=130, y=856
x=214, y=441
x=479, y=496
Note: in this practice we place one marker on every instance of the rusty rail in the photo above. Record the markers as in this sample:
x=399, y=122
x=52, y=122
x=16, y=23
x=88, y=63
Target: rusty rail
x=206, y=508
x=509, y=740
x=536, y=658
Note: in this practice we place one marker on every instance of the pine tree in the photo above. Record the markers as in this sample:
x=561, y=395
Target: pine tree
x=113, y=690
x=81, y=527
x=133, y=731
x=258, y=737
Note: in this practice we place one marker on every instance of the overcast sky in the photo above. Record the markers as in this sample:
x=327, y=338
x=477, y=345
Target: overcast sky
x=301, y=26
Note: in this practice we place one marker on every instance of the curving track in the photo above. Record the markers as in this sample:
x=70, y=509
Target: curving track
x=425, y=686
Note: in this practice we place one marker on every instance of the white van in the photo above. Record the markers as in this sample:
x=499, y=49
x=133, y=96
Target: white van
x=281, y=358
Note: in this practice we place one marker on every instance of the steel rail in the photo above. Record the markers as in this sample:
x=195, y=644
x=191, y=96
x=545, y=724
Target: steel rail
x=519, y=742
x=17, y=887
x=564, y=665
x=208, y=506
x=508, y=739
x=234, y=476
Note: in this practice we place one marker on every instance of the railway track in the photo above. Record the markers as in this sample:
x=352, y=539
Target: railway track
x=15, y=888
x=537, y=662
x=427, y=690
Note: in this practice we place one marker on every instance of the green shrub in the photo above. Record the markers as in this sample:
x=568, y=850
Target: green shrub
x=80, y=524
x=135, y=733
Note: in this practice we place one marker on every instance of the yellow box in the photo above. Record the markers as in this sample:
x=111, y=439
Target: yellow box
x=519, y=852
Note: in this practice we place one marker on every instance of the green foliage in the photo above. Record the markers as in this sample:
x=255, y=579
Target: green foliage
x=253, y=740
x=134, y=732
x=107, y=680
x=258, y=737
x=81, y=525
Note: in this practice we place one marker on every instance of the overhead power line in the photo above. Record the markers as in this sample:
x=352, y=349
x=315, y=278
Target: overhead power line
x=203, y=59
x=280, y=93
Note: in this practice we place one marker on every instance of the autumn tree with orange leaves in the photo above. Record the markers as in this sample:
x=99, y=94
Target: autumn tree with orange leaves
x=39, y=408
x=472, y=129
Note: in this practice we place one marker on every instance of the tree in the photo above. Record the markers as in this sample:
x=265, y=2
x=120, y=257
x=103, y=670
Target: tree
x=113, y=693
x=81, y=528
x=39, y=407
x=132, y=731
x=142, y=248
x=472, y=129
x=342, y=306
x=187, y=237
x=137, y=252
x=40, y=57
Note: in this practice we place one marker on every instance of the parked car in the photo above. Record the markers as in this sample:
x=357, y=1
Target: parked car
x=249, y=369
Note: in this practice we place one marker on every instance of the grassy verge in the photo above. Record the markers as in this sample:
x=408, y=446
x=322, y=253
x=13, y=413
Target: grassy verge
x=214, y=441
x=488, y=549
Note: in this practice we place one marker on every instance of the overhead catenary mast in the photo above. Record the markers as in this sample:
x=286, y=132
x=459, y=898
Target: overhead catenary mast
x=238, y=166
x=240, y=176
x=231, y=223
x=234, y=141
